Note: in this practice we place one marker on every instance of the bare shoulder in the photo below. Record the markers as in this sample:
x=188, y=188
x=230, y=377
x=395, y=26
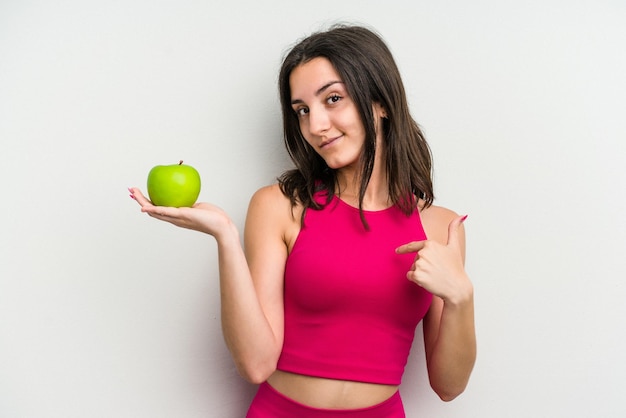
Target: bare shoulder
x=269, y=204
x=269, y=195
x=271, y=213
x=436, y=220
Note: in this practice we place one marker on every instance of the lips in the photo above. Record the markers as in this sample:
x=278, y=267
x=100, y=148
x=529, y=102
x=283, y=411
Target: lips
x=328, y=142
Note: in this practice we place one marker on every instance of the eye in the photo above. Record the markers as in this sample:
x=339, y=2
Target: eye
x=302, y=111
x=333, y=99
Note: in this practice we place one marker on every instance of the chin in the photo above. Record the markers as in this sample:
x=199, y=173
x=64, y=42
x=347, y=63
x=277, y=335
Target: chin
x=337, y=164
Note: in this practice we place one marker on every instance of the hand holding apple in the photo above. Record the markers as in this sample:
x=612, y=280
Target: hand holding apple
x=176, y=185
x=203, y=217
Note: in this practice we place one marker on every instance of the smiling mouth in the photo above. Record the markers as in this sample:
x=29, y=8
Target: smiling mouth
x=325, y=144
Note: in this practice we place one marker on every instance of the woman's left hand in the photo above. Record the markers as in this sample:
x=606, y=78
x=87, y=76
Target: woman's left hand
x=440, y=268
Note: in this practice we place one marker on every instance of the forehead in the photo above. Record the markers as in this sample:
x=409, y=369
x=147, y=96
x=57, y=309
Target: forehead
x=307, y=78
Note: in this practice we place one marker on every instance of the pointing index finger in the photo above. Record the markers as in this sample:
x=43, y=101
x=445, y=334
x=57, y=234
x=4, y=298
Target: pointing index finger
x=411, y=247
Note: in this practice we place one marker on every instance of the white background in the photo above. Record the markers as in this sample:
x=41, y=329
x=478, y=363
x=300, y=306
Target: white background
x=105, y=312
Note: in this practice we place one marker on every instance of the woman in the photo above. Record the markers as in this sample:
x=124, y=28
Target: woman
x=318, y=310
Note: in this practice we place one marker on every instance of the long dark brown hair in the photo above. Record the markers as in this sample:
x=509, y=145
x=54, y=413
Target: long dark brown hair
x=370, y=74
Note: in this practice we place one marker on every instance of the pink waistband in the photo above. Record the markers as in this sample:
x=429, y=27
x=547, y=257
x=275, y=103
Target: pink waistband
x=269, y=403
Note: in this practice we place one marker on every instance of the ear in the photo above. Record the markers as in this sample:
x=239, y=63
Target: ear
x=379, y=111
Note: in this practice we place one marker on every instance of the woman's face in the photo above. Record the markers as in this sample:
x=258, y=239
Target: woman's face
x=329, y=119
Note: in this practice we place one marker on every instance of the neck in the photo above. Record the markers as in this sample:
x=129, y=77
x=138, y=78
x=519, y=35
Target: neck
x=376, y=194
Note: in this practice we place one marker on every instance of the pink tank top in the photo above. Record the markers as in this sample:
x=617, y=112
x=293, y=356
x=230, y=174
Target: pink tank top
x=350, y=311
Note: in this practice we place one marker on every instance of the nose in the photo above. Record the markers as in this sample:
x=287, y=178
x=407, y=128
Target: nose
x=319, y=121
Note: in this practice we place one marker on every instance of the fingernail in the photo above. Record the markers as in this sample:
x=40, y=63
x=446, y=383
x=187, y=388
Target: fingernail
x=463, y=219
x=132, y=196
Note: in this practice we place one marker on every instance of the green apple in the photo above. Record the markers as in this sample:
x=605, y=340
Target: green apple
x=176, y=185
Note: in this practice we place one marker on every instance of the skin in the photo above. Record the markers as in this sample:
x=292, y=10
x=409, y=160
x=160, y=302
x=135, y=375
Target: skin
x=251, y=280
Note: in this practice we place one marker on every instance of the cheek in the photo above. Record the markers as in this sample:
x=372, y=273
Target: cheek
x=352, y=123
x=302, y=125
x=307, y=142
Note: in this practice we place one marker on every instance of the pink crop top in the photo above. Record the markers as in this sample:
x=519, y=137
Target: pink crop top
x=350, y=311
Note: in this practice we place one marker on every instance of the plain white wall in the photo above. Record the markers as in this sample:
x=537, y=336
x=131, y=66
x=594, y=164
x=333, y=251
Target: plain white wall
x=105, y=312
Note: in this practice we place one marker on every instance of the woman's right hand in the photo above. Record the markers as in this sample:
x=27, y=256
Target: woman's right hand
x=202, y=217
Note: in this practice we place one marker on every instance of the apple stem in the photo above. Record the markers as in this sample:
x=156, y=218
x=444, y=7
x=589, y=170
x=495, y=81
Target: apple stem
x=180, y=162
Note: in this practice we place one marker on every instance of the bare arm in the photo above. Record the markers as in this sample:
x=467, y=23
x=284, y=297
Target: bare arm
x=251, y=293
x=254, y=324
x=449, y=332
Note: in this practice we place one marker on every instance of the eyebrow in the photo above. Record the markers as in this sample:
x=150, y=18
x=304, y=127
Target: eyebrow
x=318, y=91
